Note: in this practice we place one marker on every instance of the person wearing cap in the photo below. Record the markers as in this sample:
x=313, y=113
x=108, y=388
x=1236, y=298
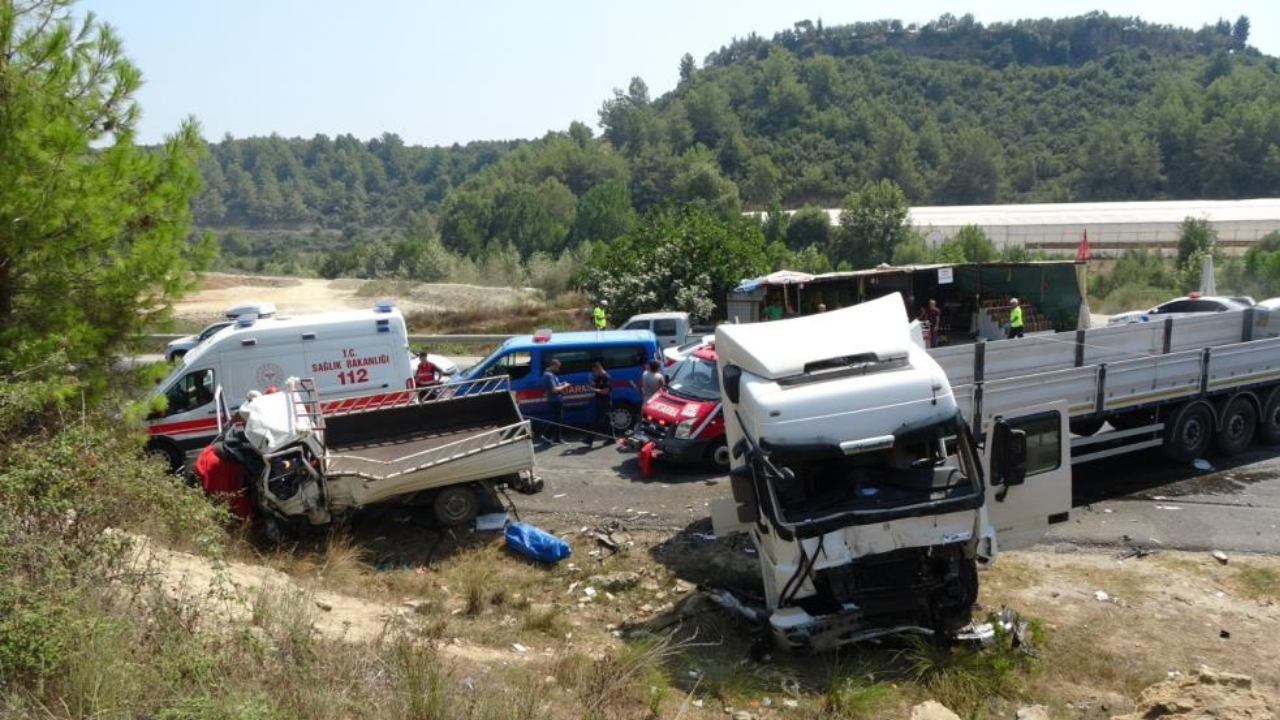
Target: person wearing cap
x=1015, y=319
x=598, y=316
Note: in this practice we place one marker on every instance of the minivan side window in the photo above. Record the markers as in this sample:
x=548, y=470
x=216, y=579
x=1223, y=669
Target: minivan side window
x=193, y=390
x=637, y=325
x=515, y=365
x=664, y=327
x=572, y=360
x=622, y=356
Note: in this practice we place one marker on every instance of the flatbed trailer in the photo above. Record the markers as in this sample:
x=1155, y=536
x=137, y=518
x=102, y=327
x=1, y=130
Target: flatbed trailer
x=1180, y=384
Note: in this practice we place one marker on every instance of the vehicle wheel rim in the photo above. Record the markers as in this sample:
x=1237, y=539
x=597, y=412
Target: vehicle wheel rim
x=456, y=506
x=1235, y=426
x=721, y=456
x=1275, y=417
x=1192, y=432
x=622, y=418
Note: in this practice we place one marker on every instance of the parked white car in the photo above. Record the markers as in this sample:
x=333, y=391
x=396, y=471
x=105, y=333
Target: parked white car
x=1192, y=304
x=177, y=348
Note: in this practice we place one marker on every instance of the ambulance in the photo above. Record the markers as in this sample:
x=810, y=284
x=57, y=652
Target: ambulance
x=351, y=354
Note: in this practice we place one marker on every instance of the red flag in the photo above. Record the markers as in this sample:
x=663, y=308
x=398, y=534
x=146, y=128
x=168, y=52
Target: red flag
x=1082, y=252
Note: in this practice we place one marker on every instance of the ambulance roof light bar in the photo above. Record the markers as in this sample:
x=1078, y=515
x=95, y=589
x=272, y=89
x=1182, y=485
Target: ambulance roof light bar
x=542, y=335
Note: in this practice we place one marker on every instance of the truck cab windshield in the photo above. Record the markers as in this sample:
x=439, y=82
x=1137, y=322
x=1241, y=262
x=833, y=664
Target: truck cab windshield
x=925, y=466
x=695, y=378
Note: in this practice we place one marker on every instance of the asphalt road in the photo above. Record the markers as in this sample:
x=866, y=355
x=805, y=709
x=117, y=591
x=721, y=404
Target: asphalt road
x=1140, y=500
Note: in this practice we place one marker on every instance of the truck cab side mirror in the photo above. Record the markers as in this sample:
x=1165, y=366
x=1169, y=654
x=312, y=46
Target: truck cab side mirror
x=731, y=381
x=1008, y=455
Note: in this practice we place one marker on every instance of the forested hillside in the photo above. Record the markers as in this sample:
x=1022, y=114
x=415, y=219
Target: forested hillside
x=952, y=112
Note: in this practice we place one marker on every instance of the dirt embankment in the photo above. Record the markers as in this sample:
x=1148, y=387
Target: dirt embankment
x=310, y=295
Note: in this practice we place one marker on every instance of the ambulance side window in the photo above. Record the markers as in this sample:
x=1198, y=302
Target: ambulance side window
x=514, y=365
x=194, y=390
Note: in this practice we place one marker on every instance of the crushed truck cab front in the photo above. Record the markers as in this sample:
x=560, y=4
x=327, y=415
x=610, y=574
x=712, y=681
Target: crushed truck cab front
x=856, y=476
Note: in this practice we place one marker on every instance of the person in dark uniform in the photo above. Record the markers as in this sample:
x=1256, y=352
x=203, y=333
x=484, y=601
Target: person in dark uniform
x=602, y=387
x=554, y=433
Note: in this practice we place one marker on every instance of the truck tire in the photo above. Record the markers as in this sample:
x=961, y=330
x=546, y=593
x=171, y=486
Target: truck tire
x=1188, y=432
x=1239, y=423
x=167, y=452
x=718, y=456
x=1269, y=422
x=455, y=505
x=623, y=416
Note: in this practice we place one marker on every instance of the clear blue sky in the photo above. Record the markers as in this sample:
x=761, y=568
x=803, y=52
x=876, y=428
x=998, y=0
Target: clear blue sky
x=443, y=72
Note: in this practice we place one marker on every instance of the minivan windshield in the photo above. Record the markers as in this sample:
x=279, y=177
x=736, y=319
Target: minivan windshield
x=695, y=378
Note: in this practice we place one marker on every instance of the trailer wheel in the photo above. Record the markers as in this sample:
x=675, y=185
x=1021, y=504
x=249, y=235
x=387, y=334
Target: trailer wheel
x=168, y=452
x=1269, y=423
x=1239, y=422
x=1086, y=428
x=1187, y=436
x=623, y=416
x=456, y=505
x=718, y=456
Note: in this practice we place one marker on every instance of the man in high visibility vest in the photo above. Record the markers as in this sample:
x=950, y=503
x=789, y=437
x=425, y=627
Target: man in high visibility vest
x=598, y=315
x=1015, y=319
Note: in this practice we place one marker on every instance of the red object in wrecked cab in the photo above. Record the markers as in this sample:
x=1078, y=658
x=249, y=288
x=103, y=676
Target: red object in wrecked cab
x=224, y=479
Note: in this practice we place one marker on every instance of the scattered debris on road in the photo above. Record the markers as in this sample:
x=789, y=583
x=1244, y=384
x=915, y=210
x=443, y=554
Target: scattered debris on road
x=1220, y=557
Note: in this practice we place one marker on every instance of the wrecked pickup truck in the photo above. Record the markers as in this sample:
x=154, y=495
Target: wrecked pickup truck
x=301, y=462
x=869, y=499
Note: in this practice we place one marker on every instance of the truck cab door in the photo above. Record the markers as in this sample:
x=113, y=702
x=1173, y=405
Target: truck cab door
x=1028, y=469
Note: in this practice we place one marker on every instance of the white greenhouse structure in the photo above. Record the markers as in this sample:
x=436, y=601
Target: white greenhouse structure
x=1112, y=227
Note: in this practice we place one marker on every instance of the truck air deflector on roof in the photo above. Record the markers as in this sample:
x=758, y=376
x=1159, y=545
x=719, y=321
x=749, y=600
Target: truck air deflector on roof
x=869, y=335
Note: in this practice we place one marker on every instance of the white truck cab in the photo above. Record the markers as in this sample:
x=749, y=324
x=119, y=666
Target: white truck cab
x=869, y=499
x=672, y=328
x=350, y=353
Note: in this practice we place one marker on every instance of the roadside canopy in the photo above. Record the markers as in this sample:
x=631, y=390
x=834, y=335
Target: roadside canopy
x=781, y=277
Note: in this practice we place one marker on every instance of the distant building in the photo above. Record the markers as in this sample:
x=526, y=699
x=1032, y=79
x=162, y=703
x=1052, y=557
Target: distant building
x=1113, y=226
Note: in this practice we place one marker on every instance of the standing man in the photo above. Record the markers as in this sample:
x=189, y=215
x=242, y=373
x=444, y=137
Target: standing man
x=652, y=380
x=598, y=316
x=602, y=389
x=425, y=376
x=934, y=317
x=553, y=434
x=1015, y=319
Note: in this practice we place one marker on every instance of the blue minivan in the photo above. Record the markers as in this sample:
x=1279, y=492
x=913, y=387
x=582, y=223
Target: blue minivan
x=624, y=354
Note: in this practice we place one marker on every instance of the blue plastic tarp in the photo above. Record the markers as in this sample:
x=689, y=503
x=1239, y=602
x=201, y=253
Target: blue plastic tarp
x=535, y=543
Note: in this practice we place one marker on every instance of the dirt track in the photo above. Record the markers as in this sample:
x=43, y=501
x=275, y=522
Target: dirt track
x=312, y=295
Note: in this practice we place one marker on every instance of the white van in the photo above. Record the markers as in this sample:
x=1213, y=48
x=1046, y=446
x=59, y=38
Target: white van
x=350, y=353
x=672, y=328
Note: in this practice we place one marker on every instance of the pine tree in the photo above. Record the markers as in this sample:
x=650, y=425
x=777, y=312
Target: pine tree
x=93, y=229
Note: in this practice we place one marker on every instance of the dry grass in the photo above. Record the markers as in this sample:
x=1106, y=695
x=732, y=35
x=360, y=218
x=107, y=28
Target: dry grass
x=1256, y=581
x=524, y=317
